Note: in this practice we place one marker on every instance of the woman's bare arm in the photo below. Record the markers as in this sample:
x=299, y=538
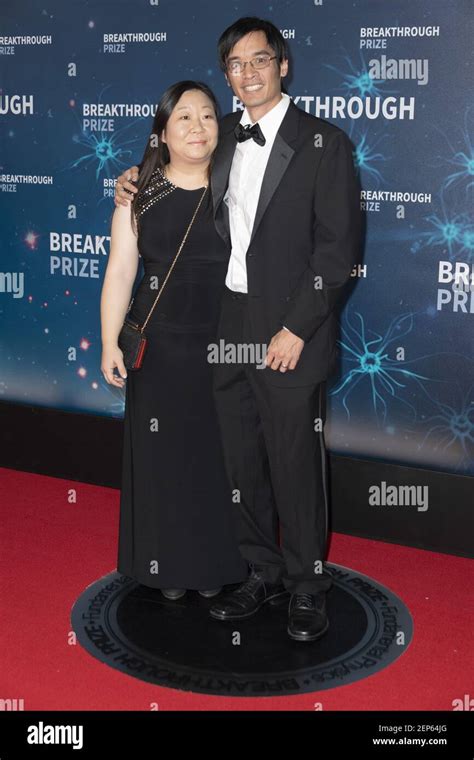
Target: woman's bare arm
x=116, y=291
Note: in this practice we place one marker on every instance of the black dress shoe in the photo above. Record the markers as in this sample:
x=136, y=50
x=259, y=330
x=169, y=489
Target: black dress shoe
x=307, y=618
x=247, y=599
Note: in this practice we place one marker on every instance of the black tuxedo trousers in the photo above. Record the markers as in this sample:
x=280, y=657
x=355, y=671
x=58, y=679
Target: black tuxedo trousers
x=275, y=458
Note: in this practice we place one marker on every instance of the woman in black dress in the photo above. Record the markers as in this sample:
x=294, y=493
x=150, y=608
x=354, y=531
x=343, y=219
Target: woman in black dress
x=176, y=529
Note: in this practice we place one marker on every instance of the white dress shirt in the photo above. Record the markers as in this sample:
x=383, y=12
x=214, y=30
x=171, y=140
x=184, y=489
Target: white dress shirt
x=245, y=181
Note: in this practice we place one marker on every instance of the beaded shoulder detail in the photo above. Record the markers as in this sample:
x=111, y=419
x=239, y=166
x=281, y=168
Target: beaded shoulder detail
x=158, y=187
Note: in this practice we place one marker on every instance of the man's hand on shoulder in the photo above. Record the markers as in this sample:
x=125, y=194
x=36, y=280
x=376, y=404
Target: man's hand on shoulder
x=124, y=184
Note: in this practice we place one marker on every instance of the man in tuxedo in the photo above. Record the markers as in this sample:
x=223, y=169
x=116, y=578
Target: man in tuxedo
x=286, y=200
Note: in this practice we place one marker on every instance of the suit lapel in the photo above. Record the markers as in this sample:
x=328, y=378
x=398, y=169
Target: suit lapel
x=220, y=173
x=280, y=156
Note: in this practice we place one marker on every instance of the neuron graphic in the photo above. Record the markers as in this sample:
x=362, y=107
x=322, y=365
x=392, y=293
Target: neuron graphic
x=365, y=156
x=467, y=243
x=106, y=149
x=118, y=406
x=373, y=364
x=462, y=160
x=453, y=232
x=454, y=426
x=357, y=81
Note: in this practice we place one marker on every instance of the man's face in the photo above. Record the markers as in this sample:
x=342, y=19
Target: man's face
x=256, y=87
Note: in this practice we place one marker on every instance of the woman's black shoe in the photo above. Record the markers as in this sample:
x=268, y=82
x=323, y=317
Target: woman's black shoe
x=207, y=594
x=173, y=593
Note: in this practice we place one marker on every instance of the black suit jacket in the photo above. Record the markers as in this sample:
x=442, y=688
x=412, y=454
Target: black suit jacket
x=307, y=226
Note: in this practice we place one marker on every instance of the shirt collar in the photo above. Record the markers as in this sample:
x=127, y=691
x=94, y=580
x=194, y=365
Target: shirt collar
x=270, y=123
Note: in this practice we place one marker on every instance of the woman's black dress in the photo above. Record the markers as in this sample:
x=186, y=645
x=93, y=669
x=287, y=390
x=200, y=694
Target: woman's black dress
x=176, y=525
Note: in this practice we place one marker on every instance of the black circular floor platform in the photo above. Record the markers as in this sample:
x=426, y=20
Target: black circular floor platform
x=136, y=630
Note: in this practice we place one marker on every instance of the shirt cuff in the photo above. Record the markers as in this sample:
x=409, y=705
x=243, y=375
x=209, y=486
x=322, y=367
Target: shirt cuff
x=284, y=327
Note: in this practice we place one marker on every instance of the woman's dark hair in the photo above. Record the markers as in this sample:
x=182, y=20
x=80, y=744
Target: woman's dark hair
x=156, y=153
x=243, y=26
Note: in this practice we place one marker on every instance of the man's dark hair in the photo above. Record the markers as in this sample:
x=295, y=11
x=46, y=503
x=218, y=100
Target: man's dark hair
x=244, y=26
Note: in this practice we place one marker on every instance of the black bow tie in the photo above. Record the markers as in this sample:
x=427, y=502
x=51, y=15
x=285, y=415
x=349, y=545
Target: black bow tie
x=245, y=133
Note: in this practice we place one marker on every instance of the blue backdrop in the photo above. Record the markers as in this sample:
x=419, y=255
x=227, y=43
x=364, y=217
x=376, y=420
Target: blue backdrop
x=79, y=84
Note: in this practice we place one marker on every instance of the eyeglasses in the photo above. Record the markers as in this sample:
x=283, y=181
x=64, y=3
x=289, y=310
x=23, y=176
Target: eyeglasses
x=259, y=62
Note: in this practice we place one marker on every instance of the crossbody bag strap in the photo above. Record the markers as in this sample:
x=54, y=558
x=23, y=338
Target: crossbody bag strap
x=141, y=329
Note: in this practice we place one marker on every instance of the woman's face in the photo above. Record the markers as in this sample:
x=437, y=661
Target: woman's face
x=191, y=131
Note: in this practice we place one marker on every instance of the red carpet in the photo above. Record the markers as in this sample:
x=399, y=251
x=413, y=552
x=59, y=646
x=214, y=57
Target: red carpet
x=58, y=536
